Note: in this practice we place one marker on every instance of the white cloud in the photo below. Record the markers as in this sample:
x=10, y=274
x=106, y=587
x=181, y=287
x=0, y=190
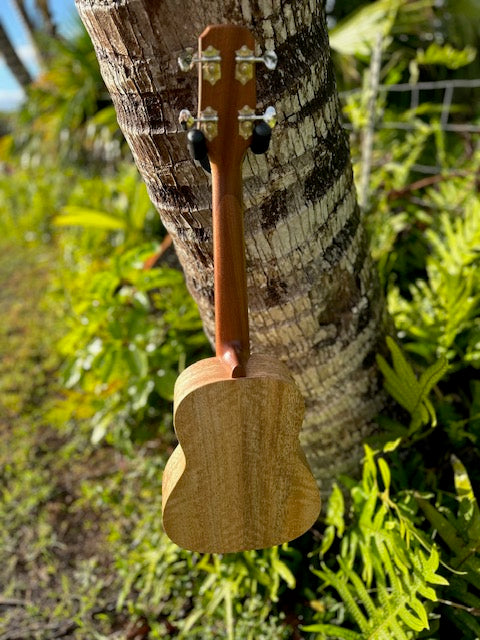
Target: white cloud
x=27, y=54
x=10, y=99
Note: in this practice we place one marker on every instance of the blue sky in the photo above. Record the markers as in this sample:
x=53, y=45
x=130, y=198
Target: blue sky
x=64, y=13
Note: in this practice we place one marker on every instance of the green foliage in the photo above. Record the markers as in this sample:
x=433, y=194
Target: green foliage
x=27, y=199
x=68, y=116
x=410, y=392
x=127, y=207
x=128, y=332
x=459, y=530
x=83, y=454
x=460, y=26
x=184, y=594
x=49, y=586
x=385, y=572
x=31, y=197
x=445, y=55
x=357, y=33
x=414, y=33
x=84, y=217
x=440, y=319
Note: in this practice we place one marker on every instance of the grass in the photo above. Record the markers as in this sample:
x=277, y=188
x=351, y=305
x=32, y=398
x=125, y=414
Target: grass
x=56, y=577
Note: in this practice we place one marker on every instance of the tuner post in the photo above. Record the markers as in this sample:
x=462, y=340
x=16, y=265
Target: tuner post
x=208, y=121
x=247, y=116
x=245, y=59
x=210, y=60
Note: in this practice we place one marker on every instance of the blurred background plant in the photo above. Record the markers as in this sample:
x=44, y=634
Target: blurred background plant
x=97, y=323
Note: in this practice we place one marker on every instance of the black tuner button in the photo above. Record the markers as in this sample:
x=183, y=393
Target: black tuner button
x=260, y=137
x=205, y=164
x=197, y=145
x=197, y=148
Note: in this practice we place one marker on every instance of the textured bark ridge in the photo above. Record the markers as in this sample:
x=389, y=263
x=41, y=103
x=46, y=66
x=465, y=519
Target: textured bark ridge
x=313, y=294
x=12, y=60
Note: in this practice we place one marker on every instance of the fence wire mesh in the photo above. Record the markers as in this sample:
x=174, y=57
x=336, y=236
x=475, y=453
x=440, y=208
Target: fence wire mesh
x=375, y=121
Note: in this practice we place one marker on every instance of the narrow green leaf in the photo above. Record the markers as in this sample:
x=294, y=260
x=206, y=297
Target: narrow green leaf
x=420, y=610
x=412, y=621
x=327, y=540
x=400, y=364
x=90, y=218
x=284, y=572
x=432, y=375
x=336, y=510
x=385, y=473
x=332, y=631
x=391, y=445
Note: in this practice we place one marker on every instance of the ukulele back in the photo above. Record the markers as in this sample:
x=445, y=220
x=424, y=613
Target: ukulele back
x=238, y=478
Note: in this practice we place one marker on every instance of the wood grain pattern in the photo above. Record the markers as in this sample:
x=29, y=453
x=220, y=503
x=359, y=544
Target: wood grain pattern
x=238, y=478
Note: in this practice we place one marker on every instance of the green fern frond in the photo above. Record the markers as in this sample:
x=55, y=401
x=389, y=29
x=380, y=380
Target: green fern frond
x=408, y=390
x=440, y=318
x=334, y=519
x=457, y=243
x=460, y=533
x=331, y=631
x=395, y=611
x=385, y=571
x=468, y=510
x=339, y=582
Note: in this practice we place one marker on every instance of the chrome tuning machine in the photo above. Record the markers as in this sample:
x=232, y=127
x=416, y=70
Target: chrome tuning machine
x=258, y=126
x=245, y=59
x=247, y=116
x=208, y=121
x=210, y=61
x=196, y=138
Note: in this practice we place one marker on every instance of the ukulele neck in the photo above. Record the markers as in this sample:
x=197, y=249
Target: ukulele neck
x=224, y=91
x=232, y=341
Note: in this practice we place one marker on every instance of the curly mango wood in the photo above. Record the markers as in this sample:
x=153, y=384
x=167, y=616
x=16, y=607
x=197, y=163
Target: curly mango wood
x=238, y=478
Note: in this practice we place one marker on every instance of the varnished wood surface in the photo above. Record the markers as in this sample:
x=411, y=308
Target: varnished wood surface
x=238, y=478
x=226, y=152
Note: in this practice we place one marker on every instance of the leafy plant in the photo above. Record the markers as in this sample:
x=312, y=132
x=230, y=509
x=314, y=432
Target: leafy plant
x=124, y=333
x=410, y=392
x=130, y=333
x=184, y=594
x=68, y=115
x=441, y=317
x=459, y=530
x=445, y=55
x=386, y=572
x=103, y=212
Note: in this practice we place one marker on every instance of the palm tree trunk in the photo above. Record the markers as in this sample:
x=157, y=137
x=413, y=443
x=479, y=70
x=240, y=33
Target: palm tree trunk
x=13, y=62
x=43, y=8
x=29, y=28
x=314, y=296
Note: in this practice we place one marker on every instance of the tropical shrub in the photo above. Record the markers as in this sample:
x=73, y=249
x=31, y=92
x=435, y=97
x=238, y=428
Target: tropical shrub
x=396, y=553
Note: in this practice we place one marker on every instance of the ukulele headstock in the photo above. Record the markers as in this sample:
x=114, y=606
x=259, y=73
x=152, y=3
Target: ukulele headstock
x=226, y=120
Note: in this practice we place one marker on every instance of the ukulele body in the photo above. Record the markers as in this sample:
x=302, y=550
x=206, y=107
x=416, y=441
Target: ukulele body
x=238, y=478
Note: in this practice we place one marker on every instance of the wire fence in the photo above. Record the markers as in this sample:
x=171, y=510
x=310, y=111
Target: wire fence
x=375, y=89
x=448, y=87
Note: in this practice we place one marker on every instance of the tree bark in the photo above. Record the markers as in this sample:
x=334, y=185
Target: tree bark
x=29, y=28
x=13, y=62
x=313, y=291
x=43, y=8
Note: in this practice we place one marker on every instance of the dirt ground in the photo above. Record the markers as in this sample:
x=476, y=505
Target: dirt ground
x=56, y=577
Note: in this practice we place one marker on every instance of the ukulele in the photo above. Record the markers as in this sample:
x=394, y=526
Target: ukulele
x=238, y=478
